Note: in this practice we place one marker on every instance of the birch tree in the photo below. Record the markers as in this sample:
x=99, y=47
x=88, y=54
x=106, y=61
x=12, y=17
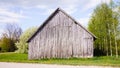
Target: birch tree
x=101, y=24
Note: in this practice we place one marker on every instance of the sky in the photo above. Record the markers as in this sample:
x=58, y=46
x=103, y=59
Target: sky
x=28, y=13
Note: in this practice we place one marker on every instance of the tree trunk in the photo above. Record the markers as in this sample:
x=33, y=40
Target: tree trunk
x=116, y=47
x=106, y=46
x=110, y=40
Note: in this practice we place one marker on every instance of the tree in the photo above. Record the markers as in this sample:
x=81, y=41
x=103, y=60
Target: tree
x=22, y=45
x=0, y=45
x=101, y=24
x=7, y=45
x=116, y=17
x=10, y=36
x=12, y=31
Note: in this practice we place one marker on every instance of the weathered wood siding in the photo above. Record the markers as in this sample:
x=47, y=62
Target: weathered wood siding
x=61, y=37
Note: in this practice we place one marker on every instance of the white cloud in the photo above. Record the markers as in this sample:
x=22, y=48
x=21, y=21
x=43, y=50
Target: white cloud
x=6, y=16
x=71, y=9
x=70, y=6
x=48, y=11
x=44, y=4
x=83, y=21
x=93, y=3
x=8, y=20
x=47, y=5
x=41, y=6
x=10, y=14
x=33, y=3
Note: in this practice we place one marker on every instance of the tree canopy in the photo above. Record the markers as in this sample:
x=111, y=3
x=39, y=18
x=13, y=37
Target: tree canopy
x=103, y=24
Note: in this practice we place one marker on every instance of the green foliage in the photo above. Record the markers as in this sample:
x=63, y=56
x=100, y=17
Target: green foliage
x=22, y=45
x=103, y=24
x=100, y=61
x=9, y=37
x=7, y=45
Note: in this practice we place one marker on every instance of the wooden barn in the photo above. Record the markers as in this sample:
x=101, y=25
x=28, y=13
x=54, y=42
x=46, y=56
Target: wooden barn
x=60, y=36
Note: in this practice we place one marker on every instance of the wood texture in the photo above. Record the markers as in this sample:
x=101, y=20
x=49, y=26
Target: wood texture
x=61, y=37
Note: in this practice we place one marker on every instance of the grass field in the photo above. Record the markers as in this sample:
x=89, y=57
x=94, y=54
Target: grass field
x=99, y=61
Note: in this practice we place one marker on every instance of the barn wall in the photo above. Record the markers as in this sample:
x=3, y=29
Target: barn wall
x=61, y=38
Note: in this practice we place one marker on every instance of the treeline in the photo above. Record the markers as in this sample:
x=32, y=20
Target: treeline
x=13, y=39
x=9, y=37
x=105, y=24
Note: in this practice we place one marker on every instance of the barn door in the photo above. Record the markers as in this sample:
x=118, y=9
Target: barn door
x=87, y=48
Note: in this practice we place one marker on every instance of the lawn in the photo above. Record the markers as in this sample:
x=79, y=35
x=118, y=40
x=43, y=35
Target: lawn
x=99, y=61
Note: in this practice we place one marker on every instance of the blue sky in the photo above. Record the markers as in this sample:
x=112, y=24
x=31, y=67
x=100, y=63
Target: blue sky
x=28, y=13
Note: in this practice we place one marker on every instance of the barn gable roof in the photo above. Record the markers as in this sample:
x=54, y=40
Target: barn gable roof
x=50, y=17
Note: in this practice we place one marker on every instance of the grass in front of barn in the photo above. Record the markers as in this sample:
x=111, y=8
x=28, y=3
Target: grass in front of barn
x=99, y=61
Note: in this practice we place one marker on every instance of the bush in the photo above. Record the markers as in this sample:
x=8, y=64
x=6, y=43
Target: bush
x=22, y=45
x=7, y=45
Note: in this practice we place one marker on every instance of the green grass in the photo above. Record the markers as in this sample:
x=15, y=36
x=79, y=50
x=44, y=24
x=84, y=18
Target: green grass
x=99, y=61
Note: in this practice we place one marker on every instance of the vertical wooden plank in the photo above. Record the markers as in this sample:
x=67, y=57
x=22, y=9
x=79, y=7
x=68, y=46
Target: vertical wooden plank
x=61, y=38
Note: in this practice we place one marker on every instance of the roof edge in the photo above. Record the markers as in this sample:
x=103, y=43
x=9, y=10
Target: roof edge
x=77, y=23
x=58, y=9
x=29, y=39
